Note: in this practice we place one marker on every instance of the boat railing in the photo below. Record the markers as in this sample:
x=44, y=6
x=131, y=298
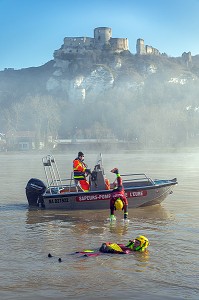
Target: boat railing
x=64, y=185
x=58, y=185
x=70, y=185
x=131, y=179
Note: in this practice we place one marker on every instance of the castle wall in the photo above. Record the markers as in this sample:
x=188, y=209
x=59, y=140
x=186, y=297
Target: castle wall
x=149, y=49
x=156, y=51
x=119, y=44
x=75, y=45
x=78, y=42
x=142, y=49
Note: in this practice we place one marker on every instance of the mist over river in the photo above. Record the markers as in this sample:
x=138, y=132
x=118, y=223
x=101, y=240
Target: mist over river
x=170, y=269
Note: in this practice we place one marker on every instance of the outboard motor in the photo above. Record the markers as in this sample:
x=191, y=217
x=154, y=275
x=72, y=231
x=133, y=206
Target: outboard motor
x=34, y=190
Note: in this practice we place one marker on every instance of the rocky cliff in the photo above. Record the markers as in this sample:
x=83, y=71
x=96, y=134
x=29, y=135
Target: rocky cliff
x=142, y=88
x=79, y=77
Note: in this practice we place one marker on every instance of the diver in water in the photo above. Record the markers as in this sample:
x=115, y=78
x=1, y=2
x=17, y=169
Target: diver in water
x=140, y=243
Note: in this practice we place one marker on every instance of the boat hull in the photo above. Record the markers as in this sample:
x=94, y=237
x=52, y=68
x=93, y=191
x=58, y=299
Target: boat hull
x=137, y=197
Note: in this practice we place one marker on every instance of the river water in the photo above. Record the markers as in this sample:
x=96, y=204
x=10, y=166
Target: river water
x=170, y=269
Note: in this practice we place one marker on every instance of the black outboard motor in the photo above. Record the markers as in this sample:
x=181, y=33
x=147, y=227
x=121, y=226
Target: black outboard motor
x=34, y=191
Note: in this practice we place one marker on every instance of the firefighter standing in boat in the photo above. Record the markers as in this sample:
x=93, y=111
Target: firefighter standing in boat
x=80, y=171
x=118, y=199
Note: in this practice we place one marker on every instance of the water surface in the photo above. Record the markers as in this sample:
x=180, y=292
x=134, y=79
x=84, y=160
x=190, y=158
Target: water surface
x=169, y=270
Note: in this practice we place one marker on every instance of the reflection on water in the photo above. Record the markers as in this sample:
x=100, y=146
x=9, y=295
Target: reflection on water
x=119, y=228
x=156, y=212
x=96, y=223
x=34, y=215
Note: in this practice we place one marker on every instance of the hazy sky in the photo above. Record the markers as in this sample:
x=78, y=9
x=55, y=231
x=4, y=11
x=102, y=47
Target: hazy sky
x=30, y=30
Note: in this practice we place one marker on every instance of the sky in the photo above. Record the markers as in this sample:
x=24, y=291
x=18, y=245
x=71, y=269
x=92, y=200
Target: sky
x=31, y=30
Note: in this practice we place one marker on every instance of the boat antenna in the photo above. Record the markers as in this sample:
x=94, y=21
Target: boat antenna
x=100, y=160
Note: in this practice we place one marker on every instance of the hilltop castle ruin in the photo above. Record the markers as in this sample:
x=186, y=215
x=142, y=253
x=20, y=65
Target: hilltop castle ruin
x=102, y=41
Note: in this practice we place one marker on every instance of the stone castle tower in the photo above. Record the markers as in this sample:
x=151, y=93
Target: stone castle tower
x=140, y=47
x=102, y=36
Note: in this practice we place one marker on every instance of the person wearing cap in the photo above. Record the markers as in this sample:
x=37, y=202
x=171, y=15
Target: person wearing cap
x=140, y=243
x=118, y=199
x=80, y=172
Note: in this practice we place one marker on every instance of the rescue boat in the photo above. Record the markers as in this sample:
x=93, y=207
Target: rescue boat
x=66, y=194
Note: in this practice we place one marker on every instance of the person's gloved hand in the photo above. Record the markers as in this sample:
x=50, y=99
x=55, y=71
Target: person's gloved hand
x=88, y=171
x=115, y=170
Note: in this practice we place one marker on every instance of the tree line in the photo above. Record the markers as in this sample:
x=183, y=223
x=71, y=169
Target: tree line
x=160, y=114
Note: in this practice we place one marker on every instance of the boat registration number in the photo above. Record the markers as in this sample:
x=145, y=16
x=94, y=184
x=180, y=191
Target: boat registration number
x=60, y=200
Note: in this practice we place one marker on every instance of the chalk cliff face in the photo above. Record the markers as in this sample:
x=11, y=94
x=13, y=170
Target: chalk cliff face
x=86, y=67
x=79, y=77
x=82, y=76
x=80, y=86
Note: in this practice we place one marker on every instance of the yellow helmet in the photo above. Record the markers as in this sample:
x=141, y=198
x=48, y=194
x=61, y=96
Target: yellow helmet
x=119, y=204
x=144, y=242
